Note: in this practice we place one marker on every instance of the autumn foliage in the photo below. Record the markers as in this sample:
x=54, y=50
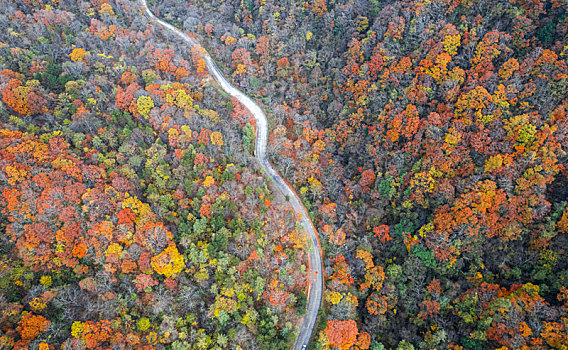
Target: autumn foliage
x=130, y=212
x=427, y=140
x=29, y=328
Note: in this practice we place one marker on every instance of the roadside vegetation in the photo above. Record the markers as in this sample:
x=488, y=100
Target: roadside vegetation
x=132, y=212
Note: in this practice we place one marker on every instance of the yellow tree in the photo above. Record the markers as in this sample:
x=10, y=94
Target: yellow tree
x=217, y=138
x=169, y=262
x=144, y=105
x=77, y=55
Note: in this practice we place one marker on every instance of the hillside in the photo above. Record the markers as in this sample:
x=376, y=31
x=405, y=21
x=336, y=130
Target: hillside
x=428, y=139
x=133, y=215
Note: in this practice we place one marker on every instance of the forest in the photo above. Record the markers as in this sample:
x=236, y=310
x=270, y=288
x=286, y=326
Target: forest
x=428, y=140
x=132, y=215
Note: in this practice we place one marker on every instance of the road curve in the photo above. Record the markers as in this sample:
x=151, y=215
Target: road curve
x=316, y=271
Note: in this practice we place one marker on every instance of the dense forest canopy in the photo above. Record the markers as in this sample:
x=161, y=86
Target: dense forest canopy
x=132, y=213
x=427, y=138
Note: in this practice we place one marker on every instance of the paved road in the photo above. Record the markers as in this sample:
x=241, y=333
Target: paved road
x=316, y=290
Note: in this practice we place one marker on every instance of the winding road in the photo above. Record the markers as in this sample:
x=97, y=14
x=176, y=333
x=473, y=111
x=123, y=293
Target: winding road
x=316, y=271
